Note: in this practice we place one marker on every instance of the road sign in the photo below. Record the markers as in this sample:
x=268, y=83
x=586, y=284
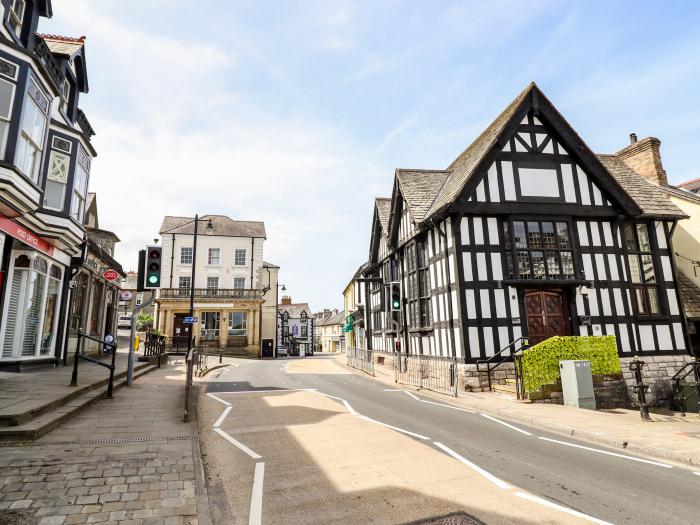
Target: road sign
x=110, y=275
x=126, y=295
x=190, y=320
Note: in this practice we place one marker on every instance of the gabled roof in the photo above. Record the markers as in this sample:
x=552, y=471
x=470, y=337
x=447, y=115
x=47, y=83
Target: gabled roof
x=223, y=226
x=690, y=185
x=419, y=189
x=333, y=319
x=383, y=205
x=69, y=48
x=690, y=296
x=269, y=265
x=651, y=199
x=475, y=158
x=294, y=310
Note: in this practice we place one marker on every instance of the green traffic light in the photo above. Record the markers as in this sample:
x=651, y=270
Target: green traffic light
x=152, y=279
x=396, y=304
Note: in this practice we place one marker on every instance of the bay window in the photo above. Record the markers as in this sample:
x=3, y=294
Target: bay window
x=238, y=323
x=31, y=312
x=642, y=273
x=16, y=15
x=80, y=185
x=32, y=129
x=538, y=250
x=56, y=181
x=7, y=93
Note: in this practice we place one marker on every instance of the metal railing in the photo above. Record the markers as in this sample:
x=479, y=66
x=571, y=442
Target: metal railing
x=210, y=293
x=497, y=359
x=684, y=392
x=361, y=358
x=154, y=346
x=80, y=354
x=430, y=372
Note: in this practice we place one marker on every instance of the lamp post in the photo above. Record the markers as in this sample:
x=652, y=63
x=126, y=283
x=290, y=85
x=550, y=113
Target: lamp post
x=277, y=313
x=209, y=229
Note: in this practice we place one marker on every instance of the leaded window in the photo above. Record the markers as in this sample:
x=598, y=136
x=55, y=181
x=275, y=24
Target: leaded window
x=538, y=250
x=642, y=272
x=418, y=285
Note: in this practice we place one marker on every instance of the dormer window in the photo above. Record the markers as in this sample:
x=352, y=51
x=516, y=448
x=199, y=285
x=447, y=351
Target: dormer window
x=17, y=8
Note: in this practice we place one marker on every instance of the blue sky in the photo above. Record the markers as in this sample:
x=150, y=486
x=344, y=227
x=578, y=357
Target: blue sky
x=297, y=113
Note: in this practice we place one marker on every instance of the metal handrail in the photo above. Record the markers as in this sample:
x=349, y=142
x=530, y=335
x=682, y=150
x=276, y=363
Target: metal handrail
x=79, y=355
x=692, y=367
x=488, y=361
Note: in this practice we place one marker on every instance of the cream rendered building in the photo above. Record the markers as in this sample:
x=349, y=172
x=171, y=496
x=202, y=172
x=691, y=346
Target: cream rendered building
x=232, y=284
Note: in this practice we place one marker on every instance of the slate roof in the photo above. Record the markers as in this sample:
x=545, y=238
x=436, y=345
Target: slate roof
x=333, y=319
x=690, y=185
x=463, y=166
x=682, y=192
x=690, y=296
x=63, y=45
x=650, y=198
x=269, y=265
x=419, y=188
x=223, y=226
x=294, y=310
x=383, y=205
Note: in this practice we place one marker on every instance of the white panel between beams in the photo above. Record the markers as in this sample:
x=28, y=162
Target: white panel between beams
x=508, y=181
x=493, y=184
x=583, y=186
x=485, y=304
x=568, y=180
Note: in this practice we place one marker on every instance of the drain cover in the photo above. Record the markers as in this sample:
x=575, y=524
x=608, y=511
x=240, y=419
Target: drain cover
x=178, y=437
x=457, y=518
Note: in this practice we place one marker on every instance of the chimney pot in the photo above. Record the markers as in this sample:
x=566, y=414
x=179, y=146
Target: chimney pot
x=633, y=138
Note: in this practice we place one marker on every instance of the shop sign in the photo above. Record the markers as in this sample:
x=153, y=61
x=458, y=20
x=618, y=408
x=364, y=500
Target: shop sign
x=26, y=236
x=126, y=296
x=110, y=275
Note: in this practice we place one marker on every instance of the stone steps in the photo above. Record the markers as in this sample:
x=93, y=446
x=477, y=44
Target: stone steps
x=50, y=415
x=506, y=389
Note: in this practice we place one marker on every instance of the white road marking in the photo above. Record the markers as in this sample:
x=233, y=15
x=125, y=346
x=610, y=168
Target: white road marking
x=393, y=390
x=219, y=399
x=255, y=516
x=347, y=405
x=237, y=443
x=561, y=508
x=696, y=473
x=222, y=416
x=404, y=431
x=448, y=406
x=507, y=425
x=263, y=391
x=412, y=395
x=493, y=479
x=606, y=452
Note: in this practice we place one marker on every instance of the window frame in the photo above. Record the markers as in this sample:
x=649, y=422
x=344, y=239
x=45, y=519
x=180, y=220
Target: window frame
x=31, y=102
x=238, y=279
x=209, y=287
x=210, y=257
x=7, y=120
x=643, y=285
x=16, y=20
x=79, y=190
x=182, y=255
x=236, y=253
x=54, y=156
x=244, y=330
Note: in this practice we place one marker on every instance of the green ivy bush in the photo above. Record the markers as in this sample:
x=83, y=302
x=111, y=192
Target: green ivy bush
x=541, y=362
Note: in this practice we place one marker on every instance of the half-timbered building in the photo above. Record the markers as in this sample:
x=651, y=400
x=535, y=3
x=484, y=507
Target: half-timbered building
x=526, y=234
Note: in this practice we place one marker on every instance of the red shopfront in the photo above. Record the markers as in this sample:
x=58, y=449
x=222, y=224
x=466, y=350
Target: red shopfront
x=31, y=285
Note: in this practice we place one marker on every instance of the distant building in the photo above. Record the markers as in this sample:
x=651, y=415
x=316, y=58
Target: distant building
x=330, y=328
x=354, y=302
x=130, y=298
x=295, y=327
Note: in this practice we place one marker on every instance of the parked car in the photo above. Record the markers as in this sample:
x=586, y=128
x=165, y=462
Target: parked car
x=124, y=322
x=282, y=351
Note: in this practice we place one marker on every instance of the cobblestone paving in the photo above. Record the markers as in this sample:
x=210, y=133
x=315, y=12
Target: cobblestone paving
x=56, y=481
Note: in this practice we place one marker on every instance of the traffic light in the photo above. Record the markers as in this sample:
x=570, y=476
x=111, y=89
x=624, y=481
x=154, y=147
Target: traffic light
x=154, y=258
x=395, y=297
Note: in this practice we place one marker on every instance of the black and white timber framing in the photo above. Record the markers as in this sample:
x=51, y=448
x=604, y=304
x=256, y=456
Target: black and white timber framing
x=526, y=218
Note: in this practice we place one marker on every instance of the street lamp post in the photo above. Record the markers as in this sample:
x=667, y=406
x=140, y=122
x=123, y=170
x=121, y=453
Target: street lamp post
x=277, y=313
x=209, y=229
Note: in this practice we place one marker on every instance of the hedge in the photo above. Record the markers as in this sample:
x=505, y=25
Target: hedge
x=541, y=362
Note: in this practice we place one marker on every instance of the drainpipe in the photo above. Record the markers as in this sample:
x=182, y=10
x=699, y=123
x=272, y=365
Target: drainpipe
x=252, y=249
x=449, y=301
x=172, y=261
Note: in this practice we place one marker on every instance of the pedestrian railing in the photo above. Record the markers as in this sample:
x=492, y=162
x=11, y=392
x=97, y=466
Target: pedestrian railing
x=430, y=372
x=154, y=346
x=361, y=358
x=109, y=346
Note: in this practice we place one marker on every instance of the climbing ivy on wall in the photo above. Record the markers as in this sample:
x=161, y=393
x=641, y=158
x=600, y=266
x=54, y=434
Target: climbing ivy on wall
x=541, y=362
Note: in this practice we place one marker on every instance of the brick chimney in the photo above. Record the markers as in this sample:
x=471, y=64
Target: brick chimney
x=286, y=299
x=644, y=157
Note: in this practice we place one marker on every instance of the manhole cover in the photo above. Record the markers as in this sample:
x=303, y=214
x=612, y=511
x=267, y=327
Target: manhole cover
x=457, y=518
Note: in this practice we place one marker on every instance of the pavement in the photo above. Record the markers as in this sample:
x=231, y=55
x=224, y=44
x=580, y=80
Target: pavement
x=309, y=441
x=127, y=460
x=669, y=436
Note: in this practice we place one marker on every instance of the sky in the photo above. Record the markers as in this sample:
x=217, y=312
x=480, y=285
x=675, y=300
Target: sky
x=297, y=113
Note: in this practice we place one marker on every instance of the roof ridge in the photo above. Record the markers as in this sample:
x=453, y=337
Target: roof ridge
x=61, y=38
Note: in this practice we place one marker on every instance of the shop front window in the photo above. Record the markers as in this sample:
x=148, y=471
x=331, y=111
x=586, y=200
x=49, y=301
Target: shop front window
x=32, y=308
x=238, y=323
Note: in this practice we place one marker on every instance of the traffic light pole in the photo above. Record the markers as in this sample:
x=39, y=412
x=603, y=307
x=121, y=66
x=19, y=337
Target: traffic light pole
x=132, y=339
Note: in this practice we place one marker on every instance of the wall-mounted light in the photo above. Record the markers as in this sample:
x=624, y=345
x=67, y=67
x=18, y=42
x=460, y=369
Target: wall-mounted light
x=583, y=290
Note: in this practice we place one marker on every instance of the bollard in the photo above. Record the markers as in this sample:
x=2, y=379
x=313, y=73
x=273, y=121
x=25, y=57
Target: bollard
x=221, y=355
x=636, y=366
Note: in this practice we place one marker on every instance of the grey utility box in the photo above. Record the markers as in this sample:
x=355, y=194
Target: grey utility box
x=577, y=384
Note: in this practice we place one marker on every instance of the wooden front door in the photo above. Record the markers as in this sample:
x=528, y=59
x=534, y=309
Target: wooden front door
x=180, y=331
x=547, y=314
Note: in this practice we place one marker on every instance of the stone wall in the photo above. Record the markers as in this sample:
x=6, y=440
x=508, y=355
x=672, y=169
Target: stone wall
x=657, y=373
x=471, y=380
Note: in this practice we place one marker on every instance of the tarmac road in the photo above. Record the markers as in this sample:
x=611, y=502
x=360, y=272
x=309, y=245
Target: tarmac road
x=601, y=483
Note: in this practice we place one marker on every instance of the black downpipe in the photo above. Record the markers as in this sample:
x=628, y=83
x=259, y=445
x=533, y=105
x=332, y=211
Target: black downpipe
x=252, y=249
x=172, y=260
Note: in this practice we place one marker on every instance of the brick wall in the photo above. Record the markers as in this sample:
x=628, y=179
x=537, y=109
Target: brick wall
x=644, y=157
x=657, y=373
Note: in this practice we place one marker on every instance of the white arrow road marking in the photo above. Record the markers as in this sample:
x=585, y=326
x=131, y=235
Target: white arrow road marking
x=237, y=444
x=347, y=405
x=255, y=516
x=493, y=479
x=448, y=406
x=222, y=416
x=412, y=395
x=507, y=425
x=561, y=508
x=606, y=452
